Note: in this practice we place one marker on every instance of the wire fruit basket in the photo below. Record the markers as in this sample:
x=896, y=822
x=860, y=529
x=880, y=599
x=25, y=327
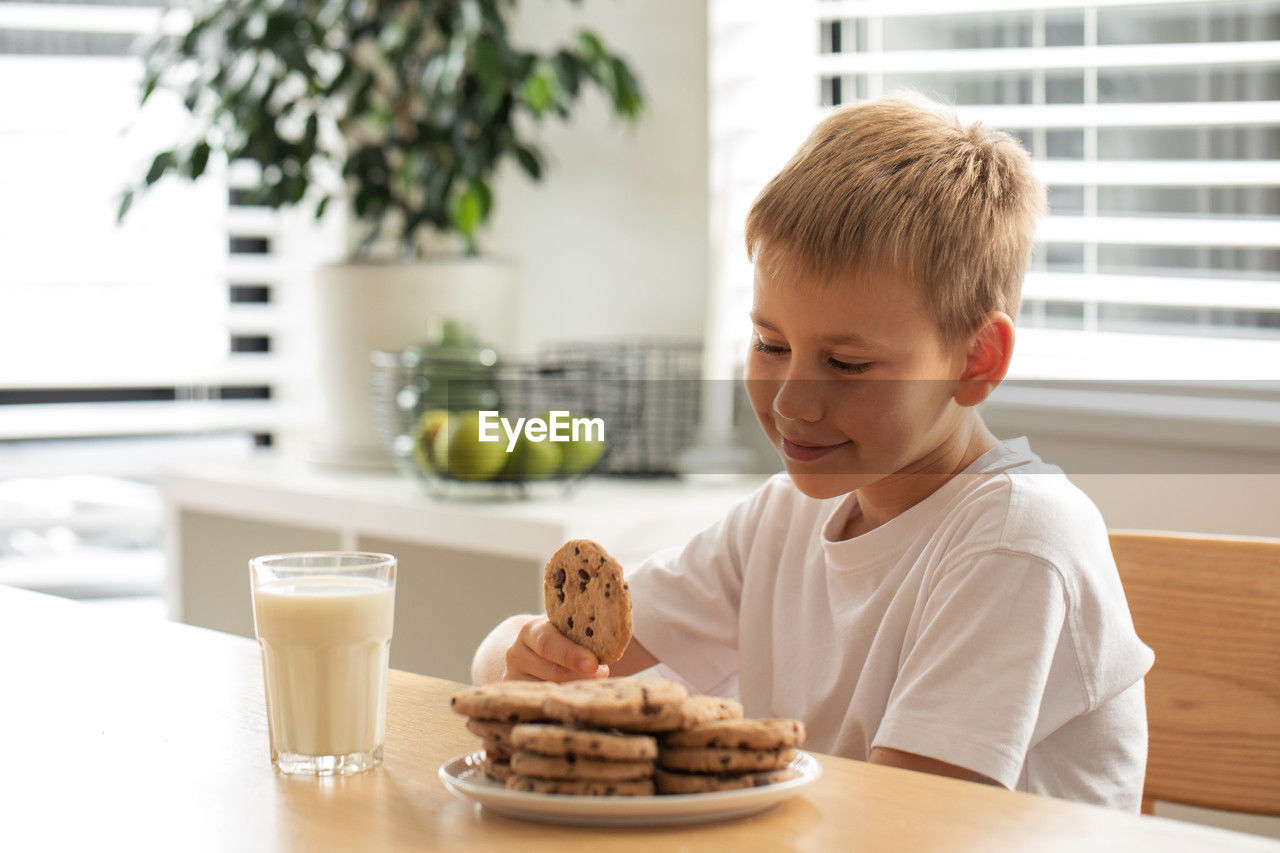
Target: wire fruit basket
x=431, y=423
x=664, y=394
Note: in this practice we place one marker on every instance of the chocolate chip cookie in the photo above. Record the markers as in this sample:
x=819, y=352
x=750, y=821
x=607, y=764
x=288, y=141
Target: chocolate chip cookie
x=571, y=767
x=582, y=787
x=739, y=734
x=587, y=599
x=669, y=782
x=629, y=704
x=550, y=739
x=496, y=768
x=498, y=730
x=702, y=709
x=705, y=760
x=507, y=701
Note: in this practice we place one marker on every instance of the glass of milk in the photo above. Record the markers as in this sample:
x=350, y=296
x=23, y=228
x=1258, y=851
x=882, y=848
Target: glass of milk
x=324, y=620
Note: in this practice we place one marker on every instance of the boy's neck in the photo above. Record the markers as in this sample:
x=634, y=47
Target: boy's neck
x=890, y=497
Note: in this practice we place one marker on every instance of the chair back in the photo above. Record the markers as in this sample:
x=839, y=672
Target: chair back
x=1210, y=608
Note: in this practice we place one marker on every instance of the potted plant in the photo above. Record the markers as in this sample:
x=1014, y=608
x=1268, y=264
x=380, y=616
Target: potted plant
x=401, y=112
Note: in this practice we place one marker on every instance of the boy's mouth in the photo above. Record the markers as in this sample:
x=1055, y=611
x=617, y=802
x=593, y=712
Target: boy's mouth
x=805, y=451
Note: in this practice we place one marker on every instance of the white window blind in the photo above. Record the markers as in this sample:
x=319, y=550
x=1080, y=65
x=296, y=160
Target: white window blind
x=183, y=320
x=1155, y=126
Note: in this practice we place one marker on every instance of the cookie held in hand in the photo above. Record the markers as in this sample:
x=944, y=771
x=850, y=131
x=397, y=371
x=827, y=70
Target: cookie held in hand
x=587, y=599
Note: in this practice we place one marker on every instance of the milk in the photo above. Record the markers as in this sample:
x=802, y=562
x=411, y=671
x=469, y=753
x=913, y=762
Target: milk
x=325, y=641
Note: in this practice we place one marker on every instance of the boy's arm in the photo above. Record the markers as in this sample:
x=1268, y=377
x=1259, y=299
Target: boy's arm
x=922, y=763
x=529, y=647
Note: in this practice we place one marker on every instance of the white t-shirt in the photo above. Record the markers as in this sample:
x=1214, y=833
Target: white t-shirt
x=985, y=627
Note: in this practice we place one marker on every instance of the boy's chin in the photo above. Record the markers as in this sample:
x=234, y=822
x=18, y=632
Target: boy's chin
x=821, y=486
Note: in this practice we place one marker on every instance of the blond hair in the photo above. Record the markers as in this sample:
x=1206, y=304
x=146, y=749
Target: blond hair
x=898, y=184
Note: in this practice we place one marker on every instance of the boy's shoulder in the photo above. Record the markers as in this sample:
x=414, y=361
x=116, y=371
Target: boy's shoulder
x=1022, y=504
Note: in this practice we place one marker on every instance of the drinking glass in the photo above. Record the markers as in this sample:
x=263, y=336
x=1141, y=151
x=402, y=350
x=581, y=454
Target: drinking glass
x=324, y=621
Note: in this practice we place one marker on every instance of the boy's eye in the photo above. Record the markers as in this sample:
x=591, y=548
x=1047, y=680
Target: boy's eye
x=761, y=346
x=849, y=367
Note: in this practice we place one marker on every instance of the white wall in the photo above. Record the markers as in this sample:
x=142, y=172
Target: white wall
x=614, y=239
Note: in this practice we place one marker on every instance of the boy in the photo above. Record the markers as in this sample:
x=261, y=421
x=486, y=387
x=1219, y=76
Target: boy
x=919, y=593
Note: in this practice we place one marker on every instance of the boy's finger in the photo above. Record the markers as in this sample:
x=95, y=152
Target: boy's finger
x=527, y=665
x=524, y=664
x=549, y=643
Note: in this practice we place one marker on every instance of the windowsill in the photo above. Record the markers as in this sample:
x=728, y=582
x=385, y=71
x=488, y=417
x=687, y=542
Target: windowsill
x=1181, y=421
x=1071, y=355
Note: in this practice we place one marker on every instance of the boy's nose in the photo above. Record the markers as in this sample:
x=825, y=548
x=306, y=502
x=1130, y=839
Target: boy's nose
x=799, y=400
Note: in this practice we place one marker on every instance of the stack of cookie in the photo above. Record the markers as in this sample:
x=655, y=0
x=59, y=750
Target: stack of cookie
x=604, y=744
x=597, y=737
x=493, y=710
x=554, y=759
x=723, y=755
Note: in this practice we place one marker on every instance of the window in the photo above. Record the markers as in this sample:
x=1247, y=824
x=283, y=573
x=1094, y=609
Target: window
x=124, y=348
x=178, y=322
x=1155, y=126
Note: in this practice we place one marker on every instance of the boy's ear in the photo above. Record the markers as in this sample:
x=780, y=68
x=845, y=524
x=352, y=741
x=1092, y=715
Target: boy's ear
x=987, y=359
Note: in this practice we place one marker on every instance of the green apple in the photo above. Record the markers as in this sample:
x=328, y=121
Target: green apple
x=458, y=450
x=424, y=436
x=531, y=460
x=580, y=456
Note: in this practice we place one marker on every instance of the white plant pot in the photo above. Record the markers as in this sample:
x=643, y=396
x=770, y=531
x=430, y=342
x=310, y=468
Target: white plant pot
x=361, y=308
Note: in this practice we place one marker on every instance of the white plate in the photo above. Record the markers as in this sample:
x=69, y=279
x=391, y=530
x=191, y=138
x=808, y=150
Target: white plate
x=463, y=776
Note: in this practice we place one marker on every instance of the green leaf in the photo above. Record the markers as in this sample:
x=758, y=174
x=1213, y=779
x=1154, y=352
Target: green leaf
x=591, y=45
x=321, y=206
x=568, y=72
x=471, y=209
x=149, y=83
x=126, y=202
x=539, y=90
x=529, y=160
x=191, y=41
x=161, y=164
x=626, y=96
x=199, y=159
x=488, y=67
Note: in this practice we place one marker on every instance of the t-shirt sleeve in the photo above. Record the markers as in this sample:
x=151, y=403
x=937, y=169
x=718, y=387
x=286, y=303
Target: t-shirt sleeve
x=685, y=600
x=973, y=679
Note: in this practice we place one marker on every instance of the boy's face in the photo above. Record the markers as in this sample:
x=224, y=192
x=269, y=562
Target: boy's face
x=851, y=382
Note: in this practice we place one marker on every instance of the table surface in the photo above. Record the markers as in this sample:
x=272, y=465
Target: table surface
x=153, y=734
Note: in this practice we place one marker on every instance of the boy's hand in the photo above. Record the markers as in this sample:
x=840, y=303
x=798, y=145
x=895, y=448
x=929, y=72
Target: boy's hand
x=541, y=653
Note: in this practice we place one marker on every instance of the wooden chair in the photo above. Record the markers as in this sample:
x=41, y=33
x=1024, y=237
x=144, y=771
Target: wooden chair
x=1210, y=608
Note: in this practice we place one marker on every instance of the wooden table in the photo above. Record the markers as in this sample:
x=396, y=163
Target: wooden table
x=152, y=736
